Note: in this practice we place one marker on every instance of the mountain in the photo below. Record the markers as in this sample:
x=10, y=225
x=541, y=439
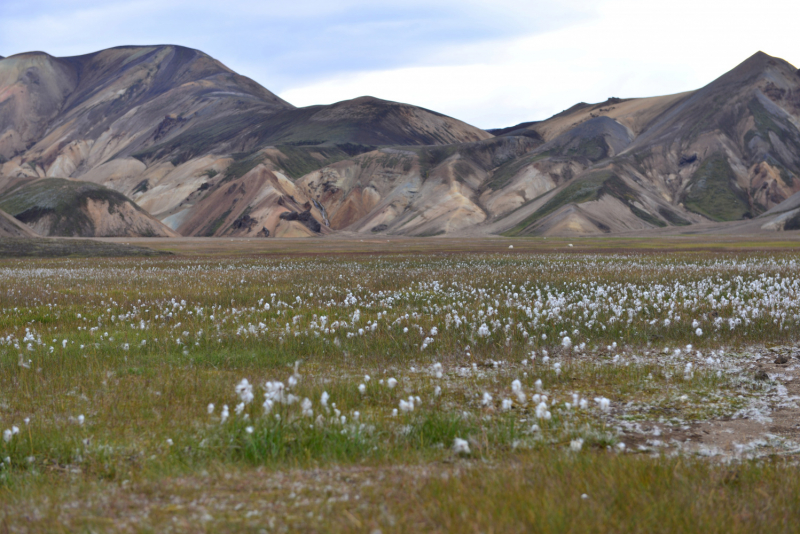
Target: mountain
x=211, y=153
x=59, y=207
x=11, y=227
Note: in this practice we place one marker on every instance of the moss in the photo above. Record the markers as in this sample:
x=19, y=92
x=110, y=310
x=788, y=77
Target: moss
x=712, y=192
x=212, y=228
x=673, y=217
x=577, y=192
x=503, y=174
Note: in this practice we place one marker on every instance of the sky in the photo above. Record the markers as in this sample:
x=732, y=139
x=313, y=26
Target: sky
x=491, y=63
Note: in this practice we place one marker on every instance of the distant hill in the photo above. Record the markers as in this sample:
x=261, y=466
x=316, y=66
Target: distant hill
x=58, y=207
x=211, y=153
x=11, y=227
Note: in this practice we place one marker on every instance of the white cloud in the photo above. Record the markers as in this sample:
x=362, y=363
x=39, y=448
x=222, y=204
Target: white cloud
x=489, y=62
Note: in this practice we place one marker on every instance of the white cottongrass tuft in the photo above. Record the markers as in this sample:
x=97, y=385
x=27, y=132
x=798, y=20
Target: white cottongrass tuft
x=487, y=398
x=391, y=383
x=245, y=391
x=699, y=332
x=542, y=412
x=516, y=388
x=460, y=446
x=81, y=419
x=210, y=408
x=507, y=404
x=566, y=342
x=362, y=388
x=407, y=406
x=7, y=435
x=576, y=444
x=323, y=399
x=225, y=414
x=483, y=330
x=306, y=407
x=604, y=403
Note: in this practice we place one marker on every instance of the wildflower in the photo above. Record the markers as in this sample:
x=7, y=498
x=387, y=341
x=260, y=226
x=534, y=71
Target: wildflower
x=169, y=442
x=225, y=414
x=516, y=388
x=306, y=407
x=699, y=332
x=81, y=419
x=566, y=342
x=324, y=399
x=407, y=406
x=576, y=444
x=460, y=446
x=487, y=399
x=483, y=331
x=604, y=403
x=210, y=409
x=506, y=404
x=391, y=383
x=249, y=429
x=538, y=384
x=437, y=391
x=362, y=388
x=239, y=408
x=7, y=435
x=245, y=391
x=542, y=411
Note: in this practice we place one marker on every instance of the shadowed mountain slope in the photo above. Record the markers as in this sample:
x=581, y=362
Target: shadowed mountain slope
x=11, y=227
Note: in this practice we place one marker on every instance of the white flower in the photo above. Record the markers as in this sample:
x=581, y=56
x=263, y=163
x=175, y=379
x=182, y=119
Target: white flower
x=306, y=407
x=541, y=411
x=245, y=391
x=324, y=399
x=437, y=391
x=460, y=446
x=225, y=414
x=407, y=406
x=169, y=442
x=483, y=331
x=81, y=419
x=362, y=388
x=210, y=409
x=576, y=444
x=566, y=342
x=249, y=429
x=487, y=399
x=391, y=383
x=7, y=435
x=699, y=332
x=239, y=408
x=507, y=404
x=604, y=403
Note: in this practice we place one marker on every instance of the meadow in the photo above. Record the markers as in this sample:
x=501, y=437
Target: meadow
x=413, y=386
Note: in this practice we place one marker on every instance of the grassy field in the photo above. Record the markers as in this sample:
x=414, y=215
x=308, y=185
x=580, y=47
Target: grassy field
x=414, y=385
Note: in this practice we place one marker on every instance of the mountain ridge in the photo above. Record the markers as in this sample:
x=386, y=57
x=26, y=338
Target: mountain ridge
x=210, y=152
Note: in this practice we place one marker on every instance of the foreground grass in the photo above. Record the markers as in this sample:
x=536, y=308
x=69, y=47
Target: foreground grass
x=369, y=371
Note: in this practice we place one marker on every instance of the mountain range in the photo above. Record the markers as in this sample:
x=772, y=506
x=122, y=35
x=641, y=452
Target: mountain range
x=167, y=141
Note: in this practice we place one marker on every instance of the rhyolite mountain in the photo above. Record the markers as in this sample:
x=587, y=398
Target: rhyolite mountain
x=211, y=153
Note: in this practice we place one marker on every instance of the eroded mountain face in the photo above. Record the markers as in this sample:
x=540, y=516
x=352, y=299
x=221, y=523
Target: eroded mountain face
x=210, y=153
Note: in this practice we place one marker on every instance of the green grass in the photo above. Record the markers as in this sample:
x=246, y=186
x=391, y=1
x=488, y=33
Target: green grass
x=713, y=192
x=149, y=454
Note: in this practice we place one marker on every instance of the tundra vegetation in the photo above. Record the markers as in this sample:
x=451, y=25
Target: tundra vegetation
x=507, y=391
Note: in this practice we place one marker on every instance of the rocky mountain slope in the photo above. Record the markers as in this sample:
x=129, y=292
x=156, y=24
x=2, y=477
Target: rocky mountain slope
x=211, y=153
x=11, y=227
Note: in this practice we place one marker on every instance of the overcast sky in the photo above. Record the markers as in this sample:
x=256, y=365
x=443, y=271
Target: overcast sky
x=491, y=63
